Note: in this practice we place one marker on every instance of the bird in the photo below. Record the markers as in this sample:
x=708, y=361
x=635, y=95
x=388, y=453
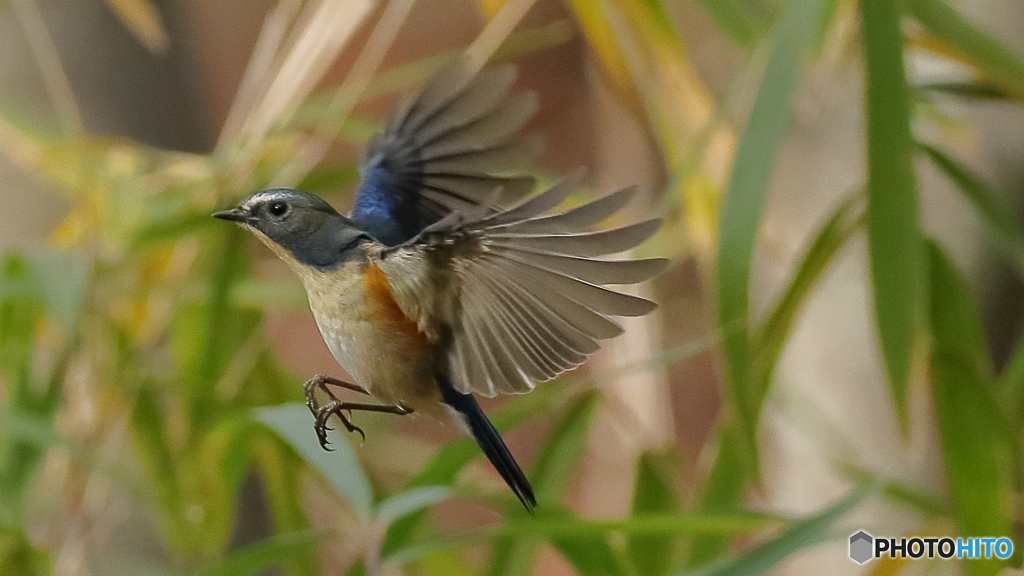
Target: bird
x=449, y=279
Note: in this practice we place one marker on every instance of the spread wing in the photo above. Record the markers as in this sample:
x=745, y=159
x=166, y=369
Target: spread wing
x=441, y=151
x=521, y=292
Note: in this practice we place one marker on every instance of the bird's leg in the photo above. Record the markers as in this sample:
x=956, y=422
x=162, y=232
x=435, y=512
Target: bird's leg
x=321, y=382
x=336, y=407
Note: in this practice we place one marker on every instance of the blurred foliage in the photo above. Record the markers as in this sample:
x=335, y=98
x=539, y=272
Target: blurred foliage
x=141, y=319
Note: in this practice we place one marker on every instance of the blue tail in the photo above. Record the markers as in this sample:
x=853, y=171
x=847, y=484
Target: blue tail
x=491, y=443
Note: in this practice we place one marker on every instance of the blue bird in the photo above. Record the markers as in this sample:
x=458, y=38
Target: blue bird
x=448, y=279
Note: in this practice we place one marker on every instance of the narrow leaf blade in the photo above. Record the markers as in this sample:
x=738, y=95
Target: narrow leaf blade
x=798, y=536
x=894, y=238
x=341, y=468
x=999, y=64
x=747, y=193
x=975, y=441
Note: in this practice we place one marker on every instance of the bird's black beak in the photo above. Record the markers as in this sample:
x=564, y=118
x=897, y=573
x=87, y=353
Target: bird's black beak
x=234, y=215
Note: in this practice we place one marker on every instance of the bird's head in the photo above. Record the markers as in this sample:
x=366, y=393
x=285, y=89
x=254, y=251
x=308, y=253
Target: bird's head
x=299, y=227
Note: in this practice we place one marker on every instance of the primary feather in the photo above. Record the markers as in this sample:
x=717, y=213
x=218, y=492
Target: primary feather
x=443, y=150
x=522, y=300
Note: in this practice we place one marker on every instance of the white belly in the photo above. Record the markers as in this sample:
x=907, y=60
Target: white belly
x=380, y=354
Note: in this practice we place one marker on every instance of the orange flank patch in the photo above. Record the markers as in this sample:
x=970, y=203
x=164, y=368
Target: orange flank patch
x=379, y=291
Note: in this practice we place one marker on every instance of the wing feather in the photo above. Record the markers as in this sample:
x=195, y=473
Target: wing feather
x=588, y=244
x=542, y=299
x=444, y=151
x=523, y=299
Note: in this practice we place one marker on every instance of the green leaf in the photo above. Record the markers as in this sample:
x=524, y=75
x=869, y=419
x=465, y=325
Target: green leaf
x=555, y=463
x=19, y=556
x=589, y=555
x=30, y=401
x=801, y=534
x=214, y=354
x=558, y=458
x=979, y=90
x=62, y=277
x=445, y=563
x=652, y=493
x=21, y=304
x=745, y=199
x=999, y=215
x=342, y=470
x=405, y=503
x=278, y=550
x=25, y=438
x=743, y=21
x=976, y=440
x=228, y=444
x=152, y=450
x=771, y=336
x=553, y=524
x=723, y=490
x=451, y=458
x=282, y=474
x=1012, y=381
x=27, y=428
x=995, y=60
x=173, y=227
x=894, y=237
x=924, y=500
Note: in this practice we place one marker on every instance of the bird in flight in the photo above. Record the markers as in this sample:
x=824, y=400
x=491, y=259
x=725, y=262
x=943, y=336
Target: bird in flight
x=448, y=279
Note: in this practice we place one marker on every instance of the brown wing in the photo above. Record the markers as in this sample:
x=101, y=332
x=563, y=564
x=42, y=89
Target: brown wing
x=522, y=291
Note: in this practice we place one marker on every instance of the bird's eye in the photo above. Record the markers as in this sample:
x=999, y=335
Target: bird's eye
x=278, y=209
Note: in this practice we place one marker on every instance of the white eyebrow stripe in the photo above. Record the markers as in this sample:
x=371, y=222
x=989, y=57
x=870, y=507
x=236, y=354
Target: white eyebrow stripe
x=267, y=196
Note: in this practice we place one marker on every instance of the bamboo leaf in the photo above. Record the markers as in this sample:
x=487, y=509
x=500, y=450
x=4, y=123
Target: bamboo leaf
x=771, y=336
x=451, y=458
x=979, y=90
x=723, y=490
x=341, y=468
x=555, y=524
x=277, y=550
x=19, y=556
x=894, y=238
x=744, y=22
x=982, y=50
x=555, y=463
x=804, y=533
x=745, y=199
x=1012, y=381
x=976, y=445
x=282, y=473
x=589, y=555
x=995, y=211
x=652, y=493
x=405, y=503
x=62, y=277
x=559, y=457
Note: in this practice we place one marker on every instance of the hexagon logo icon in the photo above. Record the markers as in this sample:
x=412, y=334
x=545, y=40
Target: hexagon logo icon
x=861, y=545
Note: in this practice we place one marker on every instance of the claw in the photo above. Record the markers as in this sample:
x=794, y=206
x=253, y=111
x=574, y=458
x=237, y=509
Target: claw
x=336, y=407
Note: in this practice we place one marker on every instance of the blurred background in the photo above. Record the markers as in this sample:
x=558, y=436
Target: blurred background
x=837, y=346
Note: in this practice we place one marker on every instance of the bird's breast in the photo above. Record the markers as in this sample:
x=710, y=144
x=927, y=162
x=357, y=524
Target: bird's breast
x=369, y=335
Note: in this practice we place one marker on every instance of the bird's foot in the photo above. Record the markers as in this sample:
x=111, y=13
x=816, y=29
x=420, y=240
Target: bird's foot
x=323, y=413
x=336, y=407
